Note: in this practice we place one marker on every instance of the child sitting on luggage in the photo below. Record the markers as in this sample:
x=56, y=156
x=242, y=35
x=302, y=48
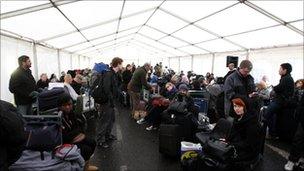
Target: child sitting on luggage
x=73, y=130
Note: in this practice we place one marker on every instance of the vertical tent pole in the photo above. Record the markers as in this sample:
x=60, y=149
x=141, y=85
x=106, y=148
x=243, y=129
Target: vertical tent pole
x=35, y=60
x=78, y=62
x=71, y=59
x=179, y=69
x=59, y=63
x=212, y=66
x=247, y=54
x=192, y=62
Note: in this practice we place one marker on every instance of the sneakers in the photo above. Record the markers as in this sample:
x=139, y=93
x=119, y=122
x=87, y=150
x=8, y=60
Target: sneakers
x=91, y=168
x=150, y=128
x=141, y=121
x=289, y=166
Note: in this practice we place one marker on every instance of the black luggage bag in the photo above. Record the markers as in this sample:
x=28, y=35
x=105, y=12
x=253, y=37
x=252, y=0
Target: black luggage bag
x=170, y=139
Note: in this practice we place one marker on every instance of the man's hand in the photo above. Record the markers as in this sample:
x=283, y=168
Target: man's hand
x=253, y=94
x=78, y=138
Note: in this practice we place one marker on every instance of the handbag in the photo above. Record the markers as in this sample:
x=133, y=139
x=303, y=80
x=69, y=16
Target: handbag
x=220, y=150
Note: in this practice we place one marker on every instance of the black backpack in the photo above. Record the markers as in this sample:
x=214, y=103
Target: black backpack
x=97, y=91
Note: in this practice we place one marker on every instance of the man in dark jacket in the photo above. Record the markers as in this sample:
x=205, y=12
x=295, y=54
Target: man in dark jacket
x=110, y=87
x=231, y=70
x=284, y=92
x=23, y=85
x=297, y=148
x=12, y=135
x=138, y=80
x=240, y=83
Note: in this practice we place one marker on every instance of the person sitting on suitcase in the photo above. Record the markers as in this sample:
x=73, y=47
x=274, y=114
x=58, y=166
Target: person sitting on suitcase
x=244, y=135
x=154, y=117
x=181, y=105
x=73, y=130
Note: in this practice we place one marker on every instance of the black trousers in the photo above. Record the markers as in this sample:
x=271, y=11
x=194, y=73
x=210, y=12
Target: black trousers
x=297, y=148
x=87, y=147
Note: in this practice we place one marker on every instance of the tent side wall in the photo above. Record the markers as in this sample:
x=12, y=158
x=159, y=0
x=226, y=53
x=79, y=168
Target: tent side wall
x=46, y=61
x=265, y=62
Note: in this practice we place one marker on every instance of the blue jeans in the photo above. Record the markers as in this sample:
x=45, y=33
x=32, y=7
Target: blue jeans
x=25, y=109
x=271, y=116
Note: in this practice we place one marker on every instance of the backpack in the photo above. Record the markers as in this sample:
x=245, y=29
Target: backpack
x=101, y=67
x=97, y=91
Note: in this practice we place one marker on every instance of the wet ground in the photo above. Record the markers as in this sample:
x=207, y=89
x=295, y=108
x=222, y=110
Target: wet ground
x=137, y=149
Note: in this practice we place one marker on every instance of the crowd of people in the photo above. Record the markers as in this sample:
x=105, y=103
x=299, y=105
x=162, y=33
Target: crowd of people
x=234, y=95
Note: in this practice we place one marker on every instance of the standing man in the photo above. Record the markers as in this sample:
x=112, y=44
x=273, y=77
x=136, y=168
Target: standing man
x=110, y=89
x=231, y=70
x=284, y=92
x=23, y=85
x=239, y=83
x=138, y=80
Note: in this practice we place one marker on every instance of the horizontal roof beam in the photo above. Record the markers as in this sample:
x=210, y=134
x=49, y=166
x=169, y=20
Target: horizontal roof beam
x=34, y=9
x=98, y=24
x=268, y=14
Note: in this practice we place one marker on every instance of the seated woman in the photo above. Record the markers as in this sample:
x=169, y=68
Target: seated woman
x=178, y=110
x=245, y=134
x=73, y=131
x=154, y=116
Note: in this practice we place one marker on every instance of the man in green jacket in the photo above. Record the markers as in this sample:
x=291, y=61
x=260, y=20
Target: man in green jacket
x=138, y=80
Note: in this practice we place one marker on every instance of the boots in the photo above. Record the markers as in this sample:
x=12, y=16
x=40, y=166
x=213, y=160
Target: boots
x=88, y=167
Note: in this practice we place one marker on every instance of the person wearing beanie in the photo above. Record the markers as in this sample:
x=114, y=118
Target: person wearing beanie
x=240, y=83
x=283, y=95
x=244, y=135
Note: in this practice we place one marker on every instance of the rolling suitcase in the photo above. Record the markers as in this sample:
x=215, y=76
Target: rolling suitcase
x=169, y=139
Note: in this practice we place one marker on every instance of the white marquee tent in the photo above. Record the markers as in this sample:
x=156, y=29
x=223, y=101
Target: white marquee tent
x=185, y=35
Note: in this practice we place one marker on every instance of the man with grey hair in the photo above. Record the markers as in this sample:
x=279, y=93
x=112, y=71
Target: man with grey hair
x=239, y=83
x=138, y=80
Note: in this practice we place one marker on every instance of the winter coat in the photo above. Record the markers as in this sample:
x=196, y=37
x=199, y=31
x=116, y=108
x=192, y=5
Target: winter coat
x=138, y=80
x=126, y=77
x=110, y=86
x=284, y=91
x=235, y=85
x=22, y=84
x=12, y=135
x=42, y=84
x=245, y=137
x=71, y=127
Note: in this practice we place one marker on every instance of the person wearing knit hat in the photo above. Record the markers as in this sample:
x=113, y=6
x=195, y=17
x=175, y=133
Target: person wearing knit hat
x=283, y=98
x=183, y=87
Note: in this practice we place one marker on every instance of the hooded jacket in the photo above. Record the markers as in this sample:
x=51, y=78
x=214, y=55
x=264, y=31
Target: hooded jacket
x=245, y=135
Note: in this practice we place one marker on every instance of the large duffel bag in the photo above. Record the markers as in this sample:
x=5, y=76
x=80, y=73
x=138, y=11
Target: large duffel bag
x=48, y=99
x=169, y=139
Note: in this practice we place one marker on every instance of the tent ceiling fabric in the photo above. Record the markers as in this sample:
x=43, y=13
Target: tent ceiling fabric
x=156, y=28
